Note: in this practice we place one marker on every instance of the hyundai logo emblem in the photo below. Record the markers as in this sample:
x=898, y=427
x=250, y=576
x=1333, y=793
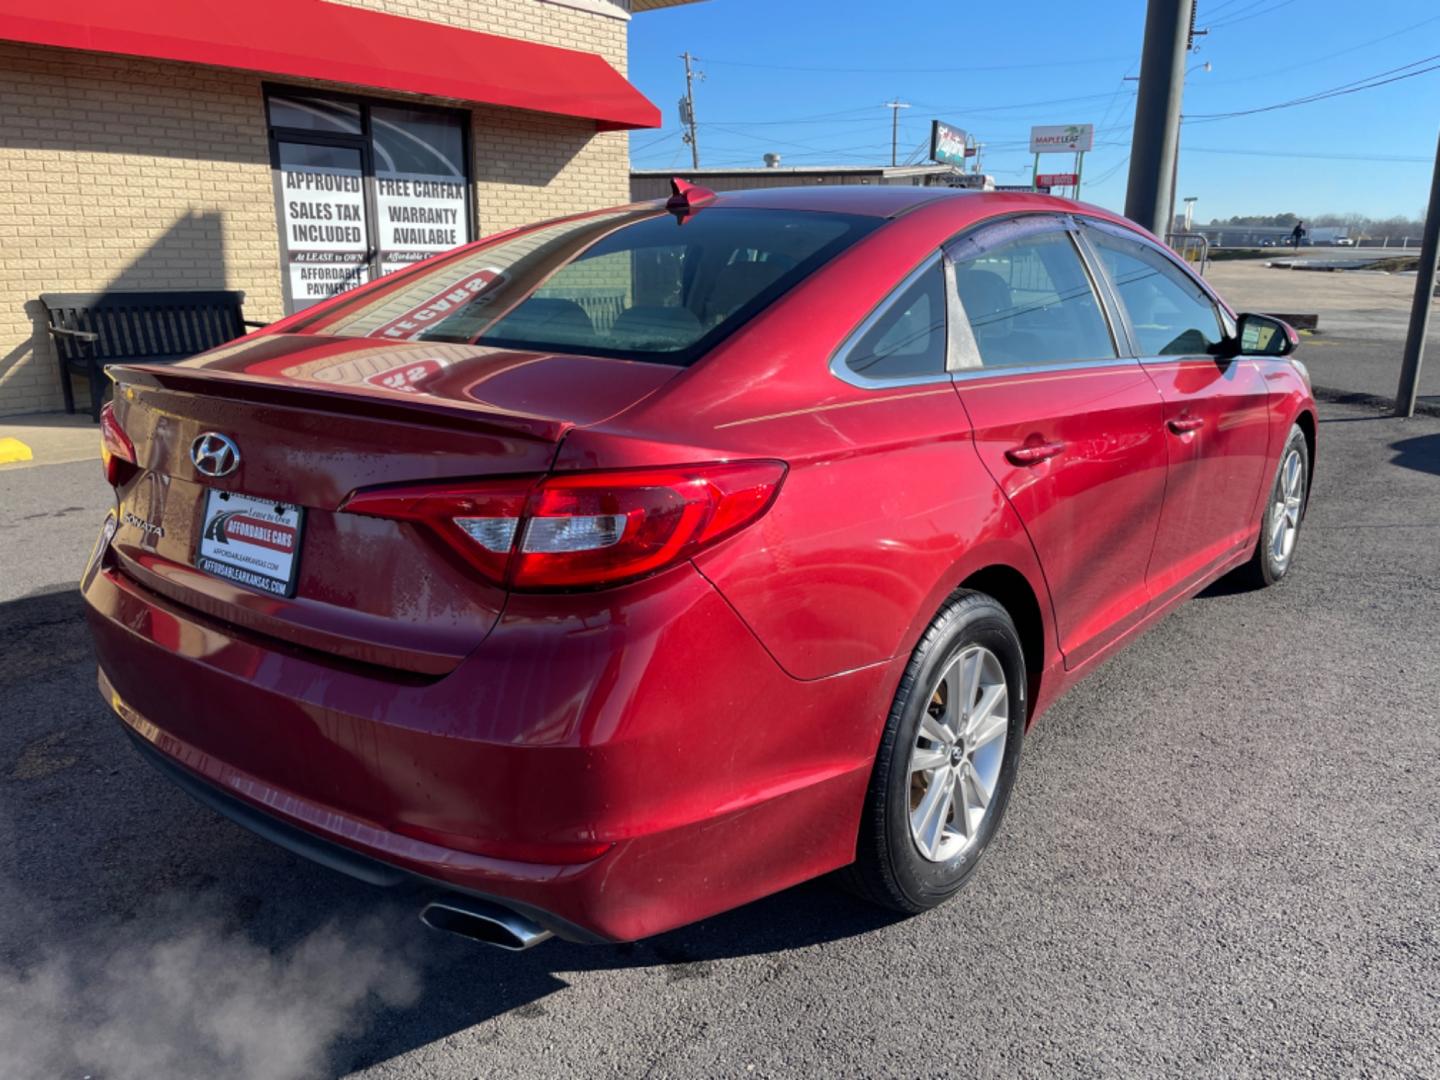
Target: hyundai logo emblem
x=214, y=454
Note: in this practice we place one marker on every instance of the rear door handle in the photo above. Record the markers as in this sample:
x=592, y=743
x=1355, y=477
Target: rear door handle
x=1183, y=425
x=1034, y=453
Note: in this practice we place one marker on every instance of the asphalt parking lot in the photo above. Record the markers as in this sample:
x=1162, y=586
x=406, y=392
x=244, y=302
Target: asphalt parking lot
x=1223, y=858
x=1364, y=317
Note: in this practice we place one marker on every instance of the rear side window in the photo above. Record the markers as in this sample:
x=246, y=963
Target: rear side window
x=1170, y=314
x=1029, y=299
x=905, y=339
x=637, y=284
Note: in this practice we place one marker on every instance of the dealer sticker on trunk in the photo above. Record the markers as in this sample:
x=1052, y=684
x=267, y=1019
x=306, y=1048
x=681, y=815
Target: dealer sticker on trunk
x=250, y=541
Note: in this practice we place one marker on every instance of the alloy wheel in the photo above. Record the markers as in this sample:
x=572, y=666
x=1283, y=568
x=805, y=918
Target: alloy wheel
x=958, y=753
x=1285, y=511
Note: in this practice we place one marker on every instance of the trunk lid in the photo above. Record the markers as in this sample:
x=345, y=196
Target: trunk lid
x=312, y=420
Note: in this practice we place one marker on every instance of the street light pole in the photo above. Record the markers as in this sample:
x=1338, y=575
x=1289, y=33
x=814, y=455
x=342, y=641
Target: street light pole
x=1175, y=165
x=1157, y=113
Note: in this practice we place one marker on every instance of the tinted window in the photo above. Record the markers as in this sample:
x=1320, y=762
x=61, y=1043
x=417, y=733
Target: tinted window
x=908, y=337
x=1170, y=314
x=638, y=284
x=1029, y=299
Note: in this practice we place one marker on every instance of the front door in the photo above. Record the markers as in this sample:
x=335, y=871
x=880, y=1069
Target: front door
x=1216, y=417
x=1071, y=432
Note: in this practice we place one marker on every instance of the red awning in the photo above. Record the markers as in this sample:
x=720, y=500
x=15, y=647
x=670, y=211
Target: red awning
x=312, y=39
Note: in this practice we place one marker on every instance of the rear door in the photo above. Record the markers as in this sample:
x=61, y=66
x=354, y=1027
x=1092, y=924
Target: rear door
x=1216, y=419
x=1070, y=430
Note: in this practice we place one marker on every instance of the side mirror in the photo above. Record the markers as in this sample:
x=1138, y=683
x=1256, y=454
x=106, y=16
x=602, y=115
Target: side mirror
x=1261, y=335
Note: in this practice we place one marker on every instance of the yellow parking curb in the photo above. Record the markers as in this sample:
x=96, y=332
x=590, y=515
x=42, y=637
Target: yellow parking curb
x=13, y=450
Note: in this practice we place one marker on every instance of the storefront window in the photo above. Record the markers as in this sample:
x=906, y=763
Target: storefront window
x=315, y=114
x=326, y=237
x=363, y=189
x=420, y=187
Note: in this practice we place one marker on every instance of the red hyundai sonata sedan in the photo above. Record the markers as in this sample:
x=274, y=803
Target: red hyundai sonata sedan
x=613, y=572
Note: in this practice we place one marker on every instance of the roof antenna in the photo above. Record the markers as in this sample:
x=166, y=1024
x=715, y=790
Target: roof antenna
x=686, y=198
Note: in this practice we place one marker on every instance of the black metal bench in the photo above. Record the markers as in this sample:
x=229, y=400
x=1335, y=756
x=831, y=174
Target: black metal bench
x=91, y=330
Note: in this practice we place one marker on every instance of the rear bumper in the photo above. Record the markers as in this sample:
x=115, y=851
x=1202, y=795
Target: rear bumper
x=659, y=734
x=313, y=846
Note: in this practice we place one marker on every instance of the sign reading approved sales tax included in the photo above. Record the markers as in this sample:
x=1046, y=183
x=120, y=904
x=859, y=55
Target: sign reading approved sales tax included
x=326, y=241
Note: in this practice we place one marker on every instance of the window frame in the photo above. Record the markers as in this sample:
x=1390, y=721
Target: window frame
x=962, y=355
x=973, y=364
x=364, y=143
x=840, y=360
x=1224, y=319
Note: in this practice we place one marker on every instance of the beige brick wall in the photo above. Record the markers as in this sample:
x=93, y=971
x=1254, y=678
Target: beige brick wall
x=123, y=174
x=528, y=167
x=132, y=174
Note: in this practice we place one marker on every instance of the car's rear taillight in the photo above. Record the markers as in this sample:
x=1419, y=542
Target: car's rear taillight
x=584, y=530
x=117, y=452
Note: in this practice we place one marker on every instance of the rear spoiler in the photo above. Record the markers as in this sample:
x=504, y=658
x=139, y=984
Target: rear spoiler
x=348, y=400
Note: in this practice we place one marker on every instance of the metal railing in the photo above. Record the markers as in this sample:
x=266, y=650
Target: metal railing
x=1193, y=247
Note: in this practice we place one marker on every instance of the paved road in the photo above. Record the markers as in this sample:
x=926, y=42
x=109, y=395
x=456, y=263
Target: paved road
x=1221, y=860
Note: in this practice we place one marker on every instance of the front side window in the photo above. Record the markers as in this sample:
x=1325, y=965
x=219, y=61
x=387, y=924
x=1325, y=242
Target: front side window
x=906, y=339
x=639, y=284
x=1169, y=313
x=1028, y=297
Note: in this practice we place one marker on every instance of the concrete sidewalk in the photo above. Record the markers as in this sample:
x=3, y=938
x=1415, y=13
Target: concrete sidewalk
x=47, y=439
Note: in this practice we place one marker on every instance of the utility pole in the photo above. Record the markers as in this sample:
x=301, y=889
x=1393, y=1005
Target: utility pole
x=1168, y=32
x=687, y=111
x=1424, y=300
x=895, y=107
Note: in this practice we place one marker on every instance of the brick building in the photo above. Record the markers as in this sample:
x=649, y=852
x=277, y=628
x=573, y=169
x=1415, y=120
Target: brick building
x=288, y=148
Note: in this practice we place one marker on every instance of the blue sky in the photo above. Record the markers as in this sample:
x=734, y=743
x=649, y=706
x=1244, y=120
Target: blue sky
x=807, y=78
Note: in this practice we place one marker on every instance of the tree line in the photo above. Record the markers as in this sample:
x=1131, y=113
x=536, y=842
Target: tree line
x=1394, y=228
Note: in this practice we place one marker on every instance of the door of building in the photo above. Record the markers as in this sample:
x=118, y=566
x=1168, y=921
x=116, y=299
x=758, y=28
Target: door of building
x=363, y=188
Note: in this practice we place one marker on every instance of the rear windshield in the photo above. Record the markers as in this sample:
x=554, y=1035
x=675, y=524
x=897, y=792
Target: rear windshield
x=639, y=284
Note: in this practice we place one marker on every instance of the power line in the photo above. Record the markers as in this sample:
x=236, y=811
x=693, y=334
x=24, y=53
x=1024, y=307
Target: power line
x=915, y=70
x=765, y=139
x=1369, y=82
x=1401, y=158
x=653, y=142
x=1271, y=72
x=1108, y=173
x=1219, y=8
x=968, y=110
x=1238, y=17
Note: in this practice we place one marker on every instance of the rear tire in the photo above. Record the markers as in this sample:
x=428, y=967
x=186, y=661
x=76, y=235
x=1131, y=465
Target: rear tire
x=1282, y=514
x=947, y=759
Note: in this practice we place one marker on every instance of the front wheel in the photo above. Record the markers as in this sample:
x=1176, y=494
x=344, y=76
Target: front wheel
x=947, y=759
x=1283, y=513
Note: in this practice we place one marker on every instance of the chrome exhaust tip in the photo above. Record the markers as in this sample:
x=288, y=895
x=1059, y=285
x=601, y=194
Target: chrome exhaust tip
x=489, y=924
